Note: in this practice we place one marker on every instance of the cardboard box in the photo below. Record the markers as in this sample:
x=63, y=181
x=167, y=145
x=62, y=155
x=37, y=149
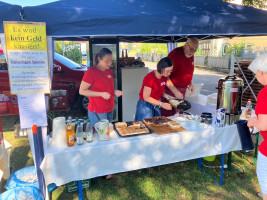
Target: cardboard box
x=73, y=186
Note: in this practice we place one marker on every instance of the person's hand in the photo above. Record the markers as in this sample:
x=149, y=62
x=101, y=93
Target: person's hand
x=179, y=96
x=118, y=93
x=105, y=95
x=252, y=121
x=166, y=106
x=191, y=89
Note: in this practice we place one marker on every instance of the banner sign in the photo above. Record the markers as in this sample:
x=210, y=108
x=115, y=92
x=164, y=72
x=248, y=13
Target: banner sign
x=27, y=57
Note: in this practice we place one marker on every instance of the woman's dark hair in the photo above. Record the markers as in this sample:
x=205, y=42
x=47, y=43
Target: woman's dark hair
x=164, y=63
x=101, y=54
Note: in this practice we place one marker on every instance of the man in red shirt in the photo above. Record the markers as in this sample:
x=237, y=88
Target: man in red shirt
x=183, y=69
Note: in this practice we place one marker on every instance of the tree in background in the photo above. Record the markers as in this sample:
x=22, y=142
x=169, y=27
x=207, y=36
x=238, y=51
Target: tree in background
x=199, y=52
x=239, y=48
x=254, y=3
x=152, y=48
x=58, y=47
x=72, y=50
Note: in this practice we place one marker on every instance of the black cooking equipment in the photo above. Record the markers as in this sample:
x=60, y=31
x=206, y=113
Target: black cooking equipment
x=183, y=105
x=206, y=118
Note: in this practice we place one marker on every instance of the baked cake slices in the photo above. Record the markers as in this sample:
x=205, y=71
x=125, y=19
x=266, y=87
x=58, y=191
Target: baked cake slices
x=157, y=121
x=131, y=128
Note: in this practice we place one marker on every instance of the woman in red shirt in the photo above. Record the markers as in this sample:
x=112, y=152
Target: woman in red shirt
x=98, y=85
x=152, y=89
x=259, y=67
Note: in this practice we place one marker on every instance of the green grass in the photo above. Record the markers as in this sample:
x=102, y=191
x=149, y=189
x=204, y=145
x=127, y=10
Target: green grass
x=174, y=181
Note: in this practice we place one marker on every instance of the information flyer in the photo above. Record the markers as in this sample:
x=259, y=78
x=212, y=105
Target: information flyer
x=32, y=110
x=27, y=57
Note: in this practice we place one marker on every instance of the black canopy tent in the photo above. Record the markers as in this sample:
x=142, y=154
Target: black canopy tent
x=142, y=21
x=151, y=21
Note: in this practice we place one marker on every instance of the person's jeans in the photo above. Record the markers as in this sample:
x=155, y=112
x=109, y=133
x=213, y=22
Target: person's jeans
x=146, y=110
x=94, y=120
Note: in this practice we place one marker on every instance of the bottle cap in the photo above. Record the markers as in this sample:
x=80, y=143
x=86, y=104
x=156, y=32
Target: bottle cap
x=88, y=120
x=249, y=99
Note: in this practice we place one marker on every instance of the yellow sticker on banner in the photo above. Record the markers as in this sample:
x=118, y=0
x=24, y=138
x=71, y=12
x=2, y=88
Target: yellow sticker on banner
x=25, y=36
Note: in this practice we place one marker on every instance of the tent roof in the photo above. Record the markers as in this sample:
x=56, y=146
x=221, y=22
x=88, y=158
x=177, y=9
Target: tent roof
x=9, y=12
x=149, y=21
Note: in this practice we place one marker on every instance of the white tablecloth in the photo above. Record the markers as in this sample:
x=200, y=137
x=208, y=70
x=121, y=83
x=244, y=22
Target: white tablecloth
x=100, y=158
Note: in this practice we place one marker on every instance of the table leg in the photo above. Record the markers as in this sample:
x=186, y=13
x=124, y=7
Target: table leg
x=229, y=161
x=222, y=169
x=200, y=163
x=256, y=147
x=80, y=190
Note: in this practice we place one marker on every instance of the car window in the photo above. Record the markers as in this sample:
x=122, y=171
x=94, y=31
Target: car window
x=67, y=62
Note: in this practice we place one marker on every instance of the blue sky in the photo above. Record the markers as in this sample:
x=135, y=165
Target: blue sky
x=28, y=2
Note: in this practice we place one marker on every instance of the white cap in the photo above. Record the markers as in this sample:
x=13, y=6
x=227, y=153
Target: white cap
x=259, y=63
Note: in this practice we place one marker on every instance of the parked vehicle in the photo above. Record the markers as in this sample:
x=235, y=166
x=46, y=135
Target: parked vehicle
x=67, y=75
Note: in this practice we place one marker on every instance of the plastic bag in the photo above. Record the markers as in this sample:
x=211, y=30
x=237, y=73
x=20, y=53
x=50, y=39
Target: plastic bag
x=26, y=176
x=22, y=193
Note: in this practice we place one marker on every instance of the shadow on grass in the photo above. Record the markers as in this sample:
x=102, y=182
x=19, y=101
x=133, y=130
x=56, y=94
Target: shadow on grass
x=19, y=157
x=174, y=181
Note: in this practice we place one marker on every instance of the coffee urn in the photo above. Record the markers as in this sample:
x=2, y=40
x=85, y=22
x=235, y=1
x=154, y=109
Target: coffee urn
x=229, y=97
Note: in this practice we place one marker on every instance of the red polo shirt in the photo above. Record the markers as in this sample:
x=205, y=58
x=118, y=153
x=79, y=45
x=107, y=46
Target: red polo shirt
x=183, y=68
x=157, y=85
x=261, y=108
x=101, y=81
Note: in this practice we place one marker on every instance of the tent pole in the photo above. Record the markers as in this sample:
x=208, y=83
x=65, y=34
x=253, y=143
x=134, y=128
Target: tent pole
x=232, y=66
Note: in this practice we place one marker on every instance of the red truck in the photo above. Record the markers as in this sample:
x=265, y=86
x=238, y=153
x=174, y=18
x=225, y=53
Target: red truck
x=67, y=75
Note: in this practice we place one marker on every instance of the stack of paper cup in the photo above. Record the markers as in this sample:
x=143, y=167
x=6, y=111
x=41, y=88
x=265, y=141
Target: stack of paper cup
x=59, y=137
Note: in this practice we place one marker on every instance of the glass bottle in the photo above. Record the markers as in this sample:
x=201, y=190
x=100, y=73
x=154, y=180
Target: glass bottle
x=75, y=123
x=89, y=131
x=248, y=109
x=79, y=133
x=126, y=54
x=84, y=127
x=70, y=133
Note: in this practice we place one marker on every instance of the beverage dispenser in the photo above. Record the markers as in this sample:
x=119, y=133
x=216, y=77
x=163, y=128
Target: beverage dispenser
x=229, y=97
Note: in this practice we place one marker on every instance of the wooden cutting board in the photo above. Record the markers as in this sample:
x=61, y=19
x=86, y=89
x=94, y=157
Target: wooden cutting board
x=164, y=129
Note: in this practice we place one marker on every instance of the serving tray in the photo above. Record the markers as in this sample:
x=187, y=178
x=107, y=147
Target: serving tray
x=125, y=131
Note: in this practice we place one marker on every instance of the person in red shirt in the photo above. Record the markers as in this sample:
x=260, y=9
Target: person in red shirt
x=183, y=69
x=154, y=83
x=98, y=85
x=259, y=67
